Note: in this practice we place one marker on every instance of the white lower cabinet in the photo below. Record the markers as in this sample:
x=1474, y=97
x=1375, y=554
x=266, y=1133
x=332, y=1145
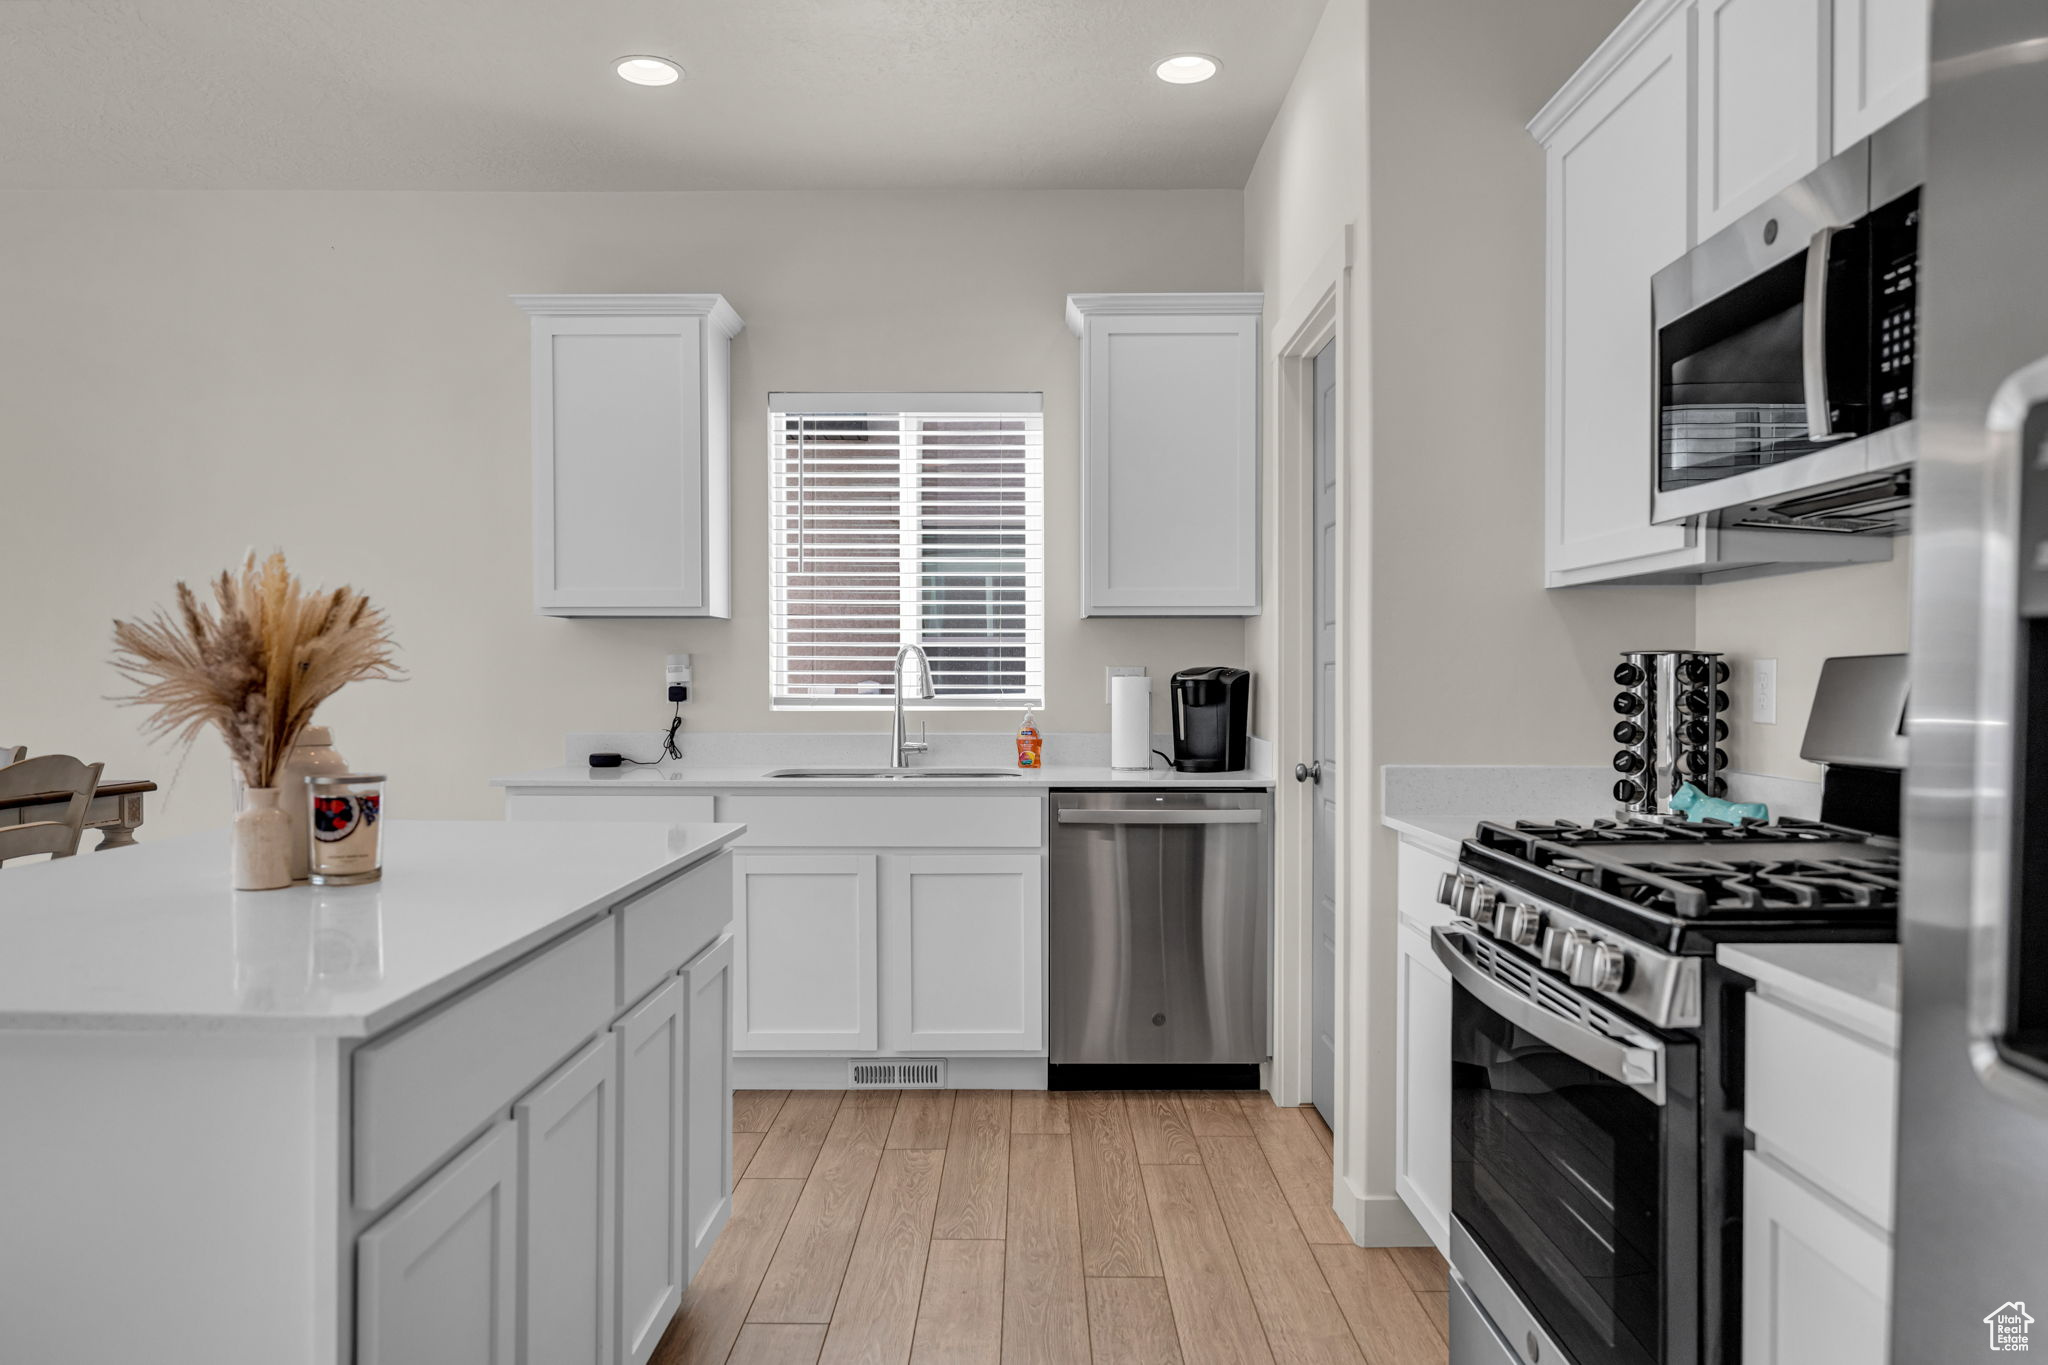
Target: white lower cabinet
x=568, y=1200
x=1814, y=1277
x=567, y=1232
x=966, y=968
x=436, y=1277
x=1422, y=1067
x=707, y=1097
x=1821, y=1103
x=652, y=1268
x=804, y=966
x=1422, y=1136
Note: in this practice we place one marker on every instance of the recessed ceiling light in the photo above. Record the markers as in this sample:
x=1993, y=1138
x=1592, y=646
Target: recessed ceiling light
x=643, y=70
x=1188, y=68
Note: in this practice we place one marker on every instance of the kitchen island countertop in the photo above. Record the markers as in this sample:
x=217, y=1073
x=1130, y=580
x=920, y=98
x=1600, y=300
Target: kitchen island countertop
x=153, y=938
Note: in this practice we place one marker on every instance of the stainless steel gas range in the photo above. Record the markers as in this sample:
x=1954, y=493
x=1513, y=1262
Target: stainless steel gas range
x=1596, y=1053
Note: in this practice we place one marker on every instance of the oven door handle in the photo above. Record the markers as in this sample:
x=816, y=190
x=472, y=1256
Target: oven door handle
x=1635, y=1062
x=1813, y=338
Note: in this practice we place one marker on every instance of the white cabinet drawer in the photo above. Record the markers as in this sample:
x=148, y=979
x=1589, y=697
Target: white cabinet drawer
x=421, y=1090
x=1822, y=1102
x=887, y=820
x=666, y=926
x=1416, y=874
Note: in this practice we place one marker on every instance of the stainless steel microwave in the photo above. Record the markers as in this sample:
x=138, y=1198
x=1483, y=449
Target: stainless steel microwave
x=1784, y=348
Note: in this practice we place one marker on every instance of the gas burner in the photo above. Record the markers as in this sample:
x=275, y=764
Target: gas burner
x=1707, y=887
x=1643, y=829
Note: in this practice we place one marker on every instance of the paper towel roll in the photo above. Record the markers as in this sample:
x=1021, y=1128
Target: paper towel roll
x=1130, y=722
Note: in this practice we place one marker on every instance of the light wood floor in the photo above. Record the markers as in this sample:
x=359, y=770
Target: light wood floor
x=1125, y=1228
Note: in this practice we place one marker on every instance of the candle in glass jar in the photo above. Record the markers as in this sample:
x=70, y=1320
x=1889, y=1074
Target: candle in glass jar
x=348, y=827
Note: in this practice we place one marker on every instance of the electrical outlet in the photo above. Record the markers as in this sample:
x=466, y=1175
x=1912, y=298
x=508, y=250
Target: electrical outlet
x=1118, y=671
x=1763, y=692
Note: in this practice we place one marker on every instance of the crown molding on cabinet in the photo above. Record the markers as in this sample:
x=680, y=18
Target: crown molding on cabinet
x=1081, y=306
x=711, y=306
x=1641, y=22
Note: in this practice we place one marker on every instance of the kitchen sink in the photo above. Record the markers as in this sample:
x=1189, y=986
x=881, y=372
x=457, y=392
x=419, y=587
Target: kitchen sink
x=893, y=774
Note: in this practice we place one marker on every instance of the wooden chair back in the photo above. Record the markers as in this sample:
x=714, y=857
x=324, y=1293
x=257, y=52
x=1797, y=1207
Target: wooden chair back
x=57, y=777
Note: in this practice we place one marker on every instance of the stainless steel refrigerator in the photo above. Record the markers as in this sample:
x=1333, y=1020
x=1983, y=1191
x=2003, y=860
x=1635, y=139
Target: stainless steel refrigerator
x=1971, y=1240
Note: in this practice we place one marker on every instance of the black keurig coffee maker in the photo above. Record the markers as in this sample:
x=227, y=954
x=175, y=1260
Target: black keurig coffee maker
x=1211, y=707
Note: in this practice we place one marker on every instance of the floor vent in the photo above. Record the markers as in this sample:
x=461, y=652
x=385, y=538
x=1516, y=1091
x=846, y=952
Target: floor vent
x=924, y=1073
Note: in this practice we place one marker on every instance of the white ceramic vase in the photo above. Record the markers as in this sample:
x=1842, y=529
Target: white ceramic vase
x=262, y=840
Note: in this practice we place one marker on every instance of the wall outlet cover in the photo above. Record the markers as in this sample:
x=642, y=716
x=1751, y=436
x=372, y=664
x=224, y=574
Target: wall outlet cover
x=1118, y=671
x=1763, y=691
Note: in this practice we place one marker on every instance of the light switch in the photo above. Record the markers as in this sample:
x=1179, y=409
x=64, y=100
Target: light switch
x=1763, y=692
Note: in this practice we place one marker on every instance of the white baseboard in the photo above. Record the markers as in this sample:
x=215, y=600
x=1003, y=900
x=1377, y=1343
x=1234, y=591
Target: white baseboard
x=1378, y=1220
x=830, y=1073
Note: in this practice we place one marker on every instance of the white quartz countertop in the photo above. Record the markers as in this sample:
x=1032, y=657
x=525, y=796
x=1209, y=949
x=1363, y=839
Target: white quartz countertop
x=1856, y=984
x=688, y=777
x=1437, y=806
x=152, y=938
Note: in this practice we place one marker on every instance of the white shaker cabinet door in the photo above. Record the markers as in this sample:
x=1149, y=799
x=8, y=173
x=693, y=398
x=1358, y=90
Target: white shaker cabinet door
x=1763, y=101
x=966, y=961
x=568, y=1198
x=1815, y=1279
x=1618, y=205
x=436, y=1277
x=804, y=957
x=652, y=1269
x=1169, y=454
x=1880, y=64
x=707, y=1098
x=1422, y=1135
x=632, y=438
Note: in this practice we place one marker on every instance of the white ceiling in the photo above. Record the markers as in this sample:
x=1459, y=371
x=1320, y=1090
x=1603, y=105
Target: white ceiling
x=519, y=94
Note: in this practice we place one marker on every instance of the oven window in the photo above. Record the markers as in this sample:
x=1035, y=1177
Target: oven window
x=1732, y=373
x=1560, y=1174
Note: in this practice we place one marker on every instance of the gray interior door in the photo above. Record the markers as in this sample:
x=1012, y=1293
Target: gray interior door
x=1323, y=769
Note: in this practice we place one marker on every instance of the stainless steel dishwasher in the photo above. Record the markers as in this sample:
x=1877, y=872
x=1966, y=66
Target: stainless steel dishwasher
x=1159, y=925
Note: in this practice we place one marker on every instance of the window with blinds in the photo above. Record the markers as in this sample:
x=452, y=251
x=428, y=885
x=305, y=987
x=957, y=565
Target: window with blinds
x=907, y=519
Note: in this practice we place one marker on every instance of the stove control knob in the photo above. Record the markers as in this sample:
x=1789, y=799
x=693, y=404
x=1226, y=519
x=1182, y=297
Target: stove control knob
x=1578, y=957
x=1485, y=909
x=1446, y=887
x=1606, y=967
x=1552, y=952
x=1524, y=927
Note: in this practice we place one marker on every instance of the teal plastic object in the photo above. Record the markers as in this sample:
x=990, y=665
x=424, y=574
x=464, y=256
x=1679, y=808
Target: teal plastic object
x=1700, y=807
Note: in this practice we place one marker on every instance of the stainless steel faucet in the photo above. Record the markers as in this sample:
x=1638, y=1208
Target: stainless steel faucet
x=901, y=745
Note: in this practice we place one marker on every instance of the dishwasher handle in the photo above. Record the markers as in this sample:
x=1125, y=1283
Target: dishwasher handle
x=1161, y=817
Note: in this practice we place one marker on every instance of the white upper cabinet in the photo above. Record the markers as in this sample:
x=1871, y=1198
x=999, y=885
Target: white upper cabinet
x=632, y=453
x=1690, y=114
x=1763, y=101
x=1880, y=64
x=1618, y=213
x=1169, y=453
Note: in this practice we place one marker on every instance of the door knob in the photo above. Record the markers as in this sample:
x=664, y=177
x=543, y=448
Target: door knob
x=1309, y=772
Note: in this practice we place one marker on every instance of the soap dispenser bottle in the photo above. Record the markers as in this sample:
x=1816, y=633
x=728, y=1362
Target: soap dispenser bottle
x=1028, y=743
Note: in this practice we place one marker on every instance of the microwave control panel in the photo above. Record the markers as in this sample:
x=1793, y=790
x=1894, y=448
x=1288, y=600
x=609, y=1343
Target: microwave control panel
x=1895, y=267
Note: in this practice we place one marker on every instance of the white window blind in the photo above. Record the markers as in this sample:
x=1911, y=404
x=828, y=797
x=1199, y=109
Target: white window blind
x=915, y=518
